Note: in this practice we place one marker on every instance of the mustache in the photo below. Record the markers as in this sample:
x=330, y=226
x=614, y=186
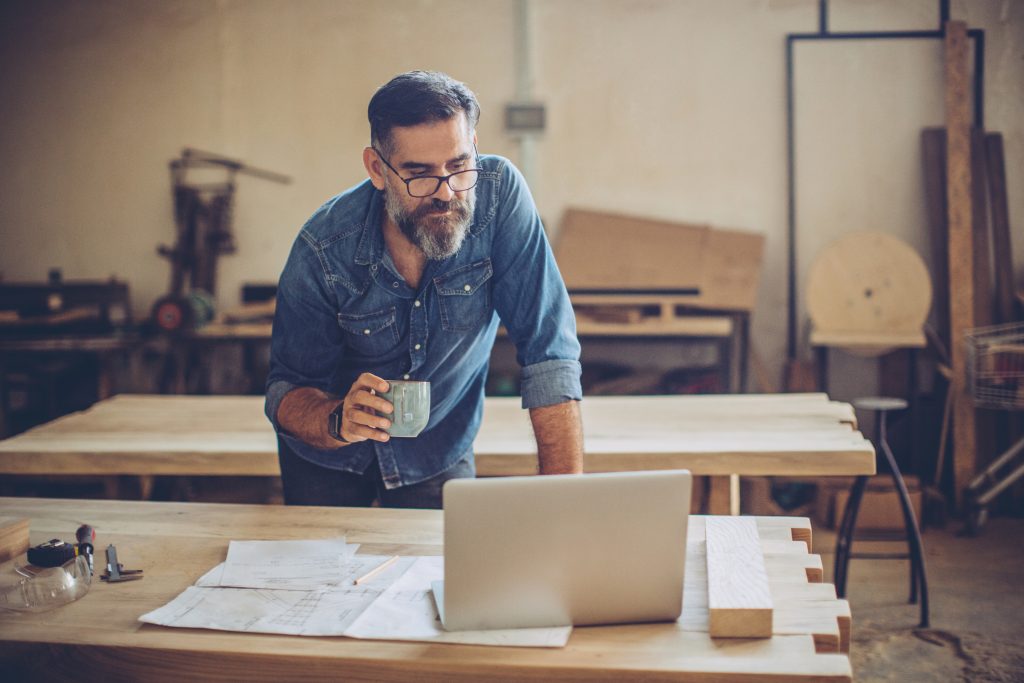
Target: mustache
x=459, y=207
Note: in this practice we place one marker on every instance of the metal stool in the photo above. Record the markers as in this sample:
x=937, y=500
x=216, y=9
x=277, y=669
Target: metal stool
x=844, y=542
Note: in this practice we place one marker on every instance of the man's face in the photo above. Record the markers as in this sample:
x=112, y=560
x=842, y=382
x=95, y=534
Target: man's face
x=436, y=224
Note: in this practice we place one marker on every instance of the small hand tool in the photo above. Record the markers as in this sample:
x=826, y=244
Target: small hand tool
x=116, y=571
x=85, y=536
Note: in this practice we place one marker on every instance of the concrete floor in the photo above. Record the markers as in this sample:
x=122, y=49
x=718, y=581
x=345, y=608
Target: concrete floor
x=977, y=607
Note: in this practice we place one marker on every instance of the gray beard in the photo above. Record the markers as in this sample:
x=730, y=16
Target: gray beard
x=437, y=237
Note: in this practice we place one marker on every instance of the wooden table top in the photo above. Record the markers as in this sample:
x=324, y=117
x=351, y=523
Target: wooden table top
x=745, y=434
x=175, y=543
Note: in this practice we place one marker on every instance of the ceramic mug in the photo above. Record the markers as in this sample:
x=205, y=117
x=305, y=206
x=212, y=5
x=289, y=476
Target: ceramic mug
x=411, y=400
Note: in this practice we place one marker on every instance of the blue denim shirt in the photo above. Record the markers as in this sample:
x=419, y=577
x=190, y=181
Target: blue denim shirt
x=342, y=309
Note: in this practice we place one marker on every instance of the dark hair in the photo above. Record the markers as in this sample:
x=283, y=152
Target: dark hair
x=417, y=97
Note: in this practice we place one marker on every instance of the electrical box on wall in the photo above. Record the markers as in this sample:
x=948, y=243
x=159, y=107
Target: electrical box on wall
x=524, y=118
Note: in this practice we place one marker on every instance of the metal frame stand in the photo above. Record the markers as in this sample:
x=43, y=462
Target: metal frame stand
x=915, y=548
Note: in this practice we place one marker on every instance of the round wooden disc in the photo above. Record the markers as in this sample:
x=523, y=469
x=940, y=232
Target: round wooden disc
x=869, y=282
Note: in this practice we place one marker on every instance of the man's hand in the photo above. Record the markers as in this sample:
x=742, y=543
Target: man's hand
x=303, y=413
x=359, y=421
x=559, y=433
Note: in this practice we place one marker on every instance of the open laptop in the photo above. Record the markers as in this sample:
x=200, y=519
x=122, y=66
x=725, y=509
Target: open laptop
x=560, y=550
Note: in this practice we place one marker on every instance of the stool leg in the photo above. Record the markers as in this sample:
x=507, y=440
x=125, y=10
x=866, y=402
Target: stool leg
x=917, y=567
x=844, y=541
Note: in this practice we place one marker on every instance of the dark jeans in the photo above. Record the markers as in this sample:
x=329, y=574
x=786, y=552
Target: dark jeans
x=308, y=484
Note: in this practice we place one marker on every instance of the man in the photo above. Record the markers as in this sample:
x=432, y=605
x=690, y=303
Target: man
x=405, y=276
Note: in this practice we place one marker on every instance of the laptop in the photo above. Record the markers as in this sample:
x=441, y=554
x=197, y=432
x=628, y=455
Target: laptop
x=560, y=550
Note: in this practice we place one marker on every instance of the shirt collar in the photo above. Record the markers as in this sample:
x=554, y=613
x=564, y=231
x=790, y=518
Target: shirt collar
x=371, y=242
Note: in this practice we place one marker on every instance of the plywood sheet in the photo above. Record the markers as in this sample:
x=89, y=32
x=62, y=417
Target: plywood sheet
x=615, y=253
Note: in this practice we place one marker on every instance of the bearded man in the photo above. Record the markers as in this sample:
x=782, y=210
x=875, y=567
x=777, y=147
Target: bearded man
x=405, y=276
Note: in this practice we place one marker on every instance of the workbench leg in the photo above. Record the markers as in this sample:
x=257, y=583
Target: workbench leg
x=146, y=486
x=744, y=350
x=822, y=357
x=724, y=497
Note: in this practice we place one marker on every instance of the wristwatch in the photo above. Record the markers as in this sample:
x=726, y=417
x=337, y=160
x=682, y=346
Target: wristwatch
x=334, y=423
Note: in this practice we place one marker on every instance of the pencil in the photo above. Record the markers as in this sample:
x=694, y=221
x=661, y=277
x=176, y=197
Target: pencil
x=376, y=570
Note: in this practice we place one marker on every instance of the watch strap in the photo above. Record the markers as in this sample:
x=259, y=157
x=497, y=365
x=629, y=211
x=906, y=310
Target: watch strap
x=334, y=423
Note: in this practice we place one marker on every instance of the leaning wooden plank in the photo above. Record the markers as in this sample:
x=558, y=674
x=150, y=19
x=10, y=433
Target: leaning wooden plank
x=961, y=247
x=933, y=152
x=739, y=599
x=1001, y=246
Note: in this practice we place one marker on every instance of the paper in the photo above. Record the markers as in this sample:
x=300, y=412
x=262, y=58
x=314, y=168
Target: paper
x=406, y=611
x=325, y=612
x=395, y=605
x=293, y=565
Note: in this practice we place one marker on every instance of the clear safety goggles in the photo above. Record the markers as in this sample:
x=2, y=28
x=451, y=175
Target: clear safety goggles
x=27, y=588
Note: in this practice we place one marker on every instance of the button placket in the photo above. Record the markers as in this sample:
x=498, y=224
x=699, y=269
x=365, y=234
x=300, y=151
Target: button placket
x=417, y=335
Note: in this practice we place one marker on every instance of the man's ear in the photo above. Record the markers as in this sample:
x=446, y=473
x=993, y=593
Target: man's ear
x=374, y=167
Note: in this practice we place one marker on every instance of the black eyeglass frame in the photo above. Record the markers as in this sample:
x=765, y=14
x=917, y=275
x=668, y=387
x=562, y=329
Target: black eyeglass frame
x=439, y=178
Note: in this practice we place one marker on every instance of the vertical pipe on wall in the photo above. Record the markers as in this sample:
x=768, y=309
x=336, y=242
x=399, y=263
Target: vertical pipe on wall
x=524, y=87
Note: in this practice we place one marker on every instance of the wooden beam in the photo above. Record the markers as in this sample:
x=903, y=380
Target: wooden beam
x=961, y=247
x=1001, y=246
x=739, y=598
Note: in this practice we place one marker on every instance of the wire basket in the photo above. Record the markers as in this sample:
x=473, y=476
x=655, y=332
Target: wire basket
x=995, y=364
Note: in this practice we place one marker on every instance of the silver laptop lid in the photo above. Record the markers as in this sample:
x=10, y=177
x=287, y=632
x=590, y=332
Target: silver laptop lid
x=565, y=549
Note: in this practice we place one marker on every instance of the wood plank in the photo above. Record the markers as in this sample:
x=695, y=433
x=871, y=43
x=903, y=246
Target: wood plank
x=739, y=600
x=961, y=247
x=13, y=537
x=1002, y=249
x=981, y=247
x=101, y=632
x=933, y=159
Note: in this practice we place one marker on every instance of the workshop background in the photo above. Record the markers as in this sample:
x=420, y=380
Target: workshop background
x=661, y=109
x=642, y=121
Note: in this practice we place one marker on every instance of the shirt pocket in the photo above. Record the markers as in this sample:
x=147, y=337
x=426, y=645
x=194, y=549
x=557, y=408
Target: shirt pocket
x=465, y=295
x=370, y=334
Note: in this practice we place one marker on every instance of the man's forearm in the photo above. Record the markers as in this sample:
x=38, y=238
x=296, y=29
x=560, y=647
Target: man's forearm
x=303, y=414
x=559, y=433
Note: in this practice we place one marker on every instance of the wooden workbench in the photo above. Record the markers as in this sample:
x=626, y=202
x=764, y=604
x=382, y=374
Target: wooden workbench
x=728, y=435
x=99, y=637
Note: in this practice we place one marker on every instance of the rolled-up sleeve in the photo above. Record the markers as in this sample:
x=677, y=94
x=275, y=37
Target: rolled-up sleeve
x=550, y=382
x=532, y=301
x=306, y=344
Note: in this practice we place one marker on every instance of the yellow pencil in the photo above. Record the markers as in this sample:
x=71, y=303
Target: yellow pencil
x=376, y=570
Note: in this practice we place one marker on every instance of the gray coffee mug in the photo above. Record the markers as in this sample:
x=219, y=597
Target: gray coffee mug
x=411, y=400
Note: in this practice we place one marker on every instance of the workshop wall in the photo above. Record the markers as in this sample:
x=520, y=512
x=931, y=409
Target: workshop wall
x=663, y=108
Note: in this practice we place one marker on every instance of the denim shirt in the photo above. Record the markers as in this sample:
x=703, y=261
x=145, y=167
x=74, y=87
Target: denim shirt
x=343, y=309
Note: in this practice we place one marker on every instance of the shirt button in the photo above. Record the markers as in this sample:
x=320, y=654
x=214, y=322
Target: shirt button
x=405, y=376
x=366, y=331
x=417, y=304
x=417, y=347
x=467, y=288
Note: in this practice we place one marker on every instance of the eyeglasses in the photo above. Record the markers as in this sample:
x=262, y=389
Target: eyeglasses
x=427, y=185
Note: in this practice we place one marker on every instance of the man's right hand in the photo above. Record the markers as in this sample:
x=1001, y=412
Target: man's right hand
x=359, y=416
x=304, y=411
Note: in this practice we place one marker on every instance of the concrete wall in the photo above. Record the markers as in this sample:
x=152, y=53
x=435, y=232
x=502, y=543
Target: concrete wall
x=666, y=108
